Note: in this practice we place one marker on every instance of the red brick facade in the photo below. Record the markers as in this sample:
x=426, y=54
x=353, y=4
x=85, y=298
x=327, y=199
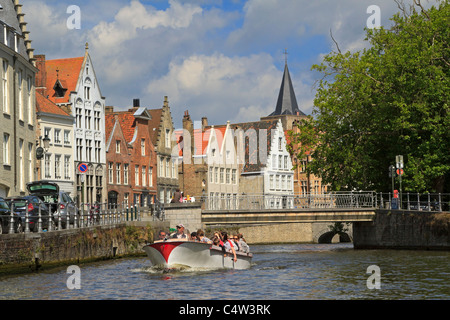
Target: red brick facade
x=130, y=157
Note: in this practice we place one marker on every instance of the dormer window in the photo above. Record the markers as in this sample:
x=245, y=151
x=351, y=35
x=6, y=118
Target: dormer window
x=60, y=91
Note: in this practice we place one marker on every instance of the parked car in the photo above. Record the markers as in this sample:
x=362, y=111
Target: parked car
x=5, y=218
x=50, y=194
x=32, y=204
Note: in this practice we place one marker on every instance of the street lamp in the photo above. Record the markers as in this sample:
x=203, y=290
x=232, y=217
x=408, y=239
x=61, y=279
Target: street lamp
x=40, y=151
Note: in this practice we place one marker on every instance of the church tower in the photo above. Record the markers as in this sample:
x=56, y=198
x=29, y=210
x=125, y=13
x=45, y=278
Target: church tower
x=286, y=108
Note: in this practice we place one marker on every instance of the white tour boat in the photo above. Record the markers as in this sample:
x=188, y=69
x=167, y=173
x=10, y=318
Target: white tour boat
x=176, y=253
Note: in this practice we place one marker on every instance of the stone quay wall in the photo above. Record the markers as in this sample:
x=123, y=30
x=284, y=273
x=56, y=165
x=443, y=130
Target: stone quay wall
x=26, y=252
x=401, y=229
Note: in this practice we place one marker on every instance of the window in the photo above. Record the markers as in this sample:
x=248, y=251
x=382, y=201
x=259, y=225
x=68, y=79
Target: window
x=144, y=176
x=57, y=166
x=97, y=151
x=125, y=173
x=89, y=150
x=6, y=156
x=227, y=177
x=167, y=167
x=216, y=175
x=274, y=161
x=21, y=166
x=279, y=162
x=30, y=162
x=174, y=167
x=30, y=99
x=57, y=136
x=221, y=175
x=20, y=87
x=142, y=147
x=211, y=174
x=97, y=120
x=286, y=162
x=47, y=165
x=118, y=165
x=78, y=117
x=110, y=172
x=125, y=198
x=117, y=146
x=280, y=143
x=67, y=167
x=87, y=93
x=150, y=176
x=289, y=182
x=67, y=137
x=136, y=175
x=233, y=176
x=5, y=87
x=88, y=119
x=161, y=167
x=167, y=138
x=79, y=149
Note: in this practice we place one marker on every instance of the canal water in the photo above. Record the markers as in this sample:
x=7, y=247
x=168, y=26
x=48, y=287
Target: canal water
x=279, y=272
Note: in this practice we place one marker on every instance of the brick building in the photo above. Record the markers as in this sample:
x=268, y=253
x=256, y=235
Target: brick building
x=130, y=156
x=162, y=132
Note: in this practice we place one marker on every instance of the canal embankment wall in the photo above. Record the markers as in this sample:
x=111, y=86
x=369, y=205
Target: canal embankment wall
x=26, y=252
x=402, y=229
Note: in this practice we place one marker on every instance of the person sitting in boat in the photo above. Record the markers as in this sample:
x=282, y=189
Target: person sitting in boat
x=228, y=245
x=235, y=240
x=243, y=246
x=180, y=233
x=201, y=236
x=162, y=235
x=193, y=236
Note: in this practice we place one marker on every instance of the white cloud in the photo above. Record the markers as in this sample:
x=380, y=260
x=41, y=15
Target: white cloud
x=228, y=88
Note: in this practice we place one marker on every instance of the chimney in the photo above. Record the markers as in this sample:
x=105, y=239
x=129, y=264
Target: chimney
x=41, y=75
x=109, y=109
x=204, y=123
x=166, y=101
x=188, y=126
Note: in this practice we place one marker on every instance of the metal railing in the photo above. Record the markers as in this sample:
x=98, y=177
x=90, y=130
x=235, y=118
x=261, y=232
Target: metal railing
x=45, y=217
x=304, y=201
x=414, y=201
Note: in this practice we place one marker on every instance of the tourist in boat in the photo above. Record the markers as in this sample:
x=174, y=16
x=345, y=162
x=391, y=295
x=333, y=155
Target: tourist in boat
x=162, y=235
x=201, y=236
x=180, y=233
x=243, y=246
x=193, y=236
x=228, y=244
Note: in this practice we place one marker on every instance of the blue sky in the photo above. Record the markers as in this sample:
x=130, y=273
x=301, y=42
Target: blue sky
x=222, y=59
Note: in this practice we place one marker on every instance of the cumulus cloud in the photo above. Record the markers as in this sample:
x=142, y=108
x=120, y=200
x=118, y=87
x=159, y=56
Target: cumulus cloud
x=228, y=88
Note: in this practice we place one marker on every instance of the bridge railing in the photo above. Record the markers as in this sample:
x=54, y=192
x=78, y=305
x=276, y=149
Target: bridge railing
x=342, y=200
x=414, y=201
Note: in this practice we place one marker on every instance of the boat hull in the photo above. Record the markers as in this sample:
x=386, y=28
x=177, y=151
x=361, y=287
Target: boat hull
x=173, y=254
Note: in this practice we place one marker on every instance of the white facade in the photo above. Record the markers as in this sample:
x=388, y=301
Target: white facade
x=57, y=165
x=223, y=169
x=278, y=173
x=88, y=108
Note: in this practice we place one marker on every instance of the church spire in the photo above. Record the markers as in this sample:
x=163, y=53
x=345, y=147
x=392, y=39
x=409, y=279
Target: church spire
x=287, y=102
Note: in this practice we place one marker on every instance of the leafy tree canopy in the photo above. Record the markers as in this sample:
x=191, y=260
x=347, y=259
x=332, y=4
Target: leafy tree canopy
x=389, y=99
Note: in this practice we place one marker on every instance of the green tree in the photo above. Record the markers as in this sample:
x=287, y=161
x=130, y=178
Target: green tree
x=389, y=99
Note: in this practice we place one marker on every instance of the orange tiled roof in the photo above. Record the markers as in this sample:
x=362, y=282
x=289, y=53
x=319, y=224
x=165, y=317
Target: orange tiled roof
x=45, y=105
x=67, y=71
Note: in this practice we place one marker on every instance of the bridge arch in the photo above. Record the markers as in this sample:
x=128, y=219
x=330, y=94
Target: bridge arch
x=332, y=237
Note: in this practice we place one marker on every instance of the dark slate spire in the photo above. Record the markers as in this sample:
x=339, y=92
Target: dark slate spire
x=287, y=102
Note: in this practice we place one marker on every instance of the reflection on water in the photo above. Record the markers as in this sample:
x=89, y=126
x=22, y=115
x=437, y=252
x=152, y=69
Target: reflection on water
x=288, y=272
